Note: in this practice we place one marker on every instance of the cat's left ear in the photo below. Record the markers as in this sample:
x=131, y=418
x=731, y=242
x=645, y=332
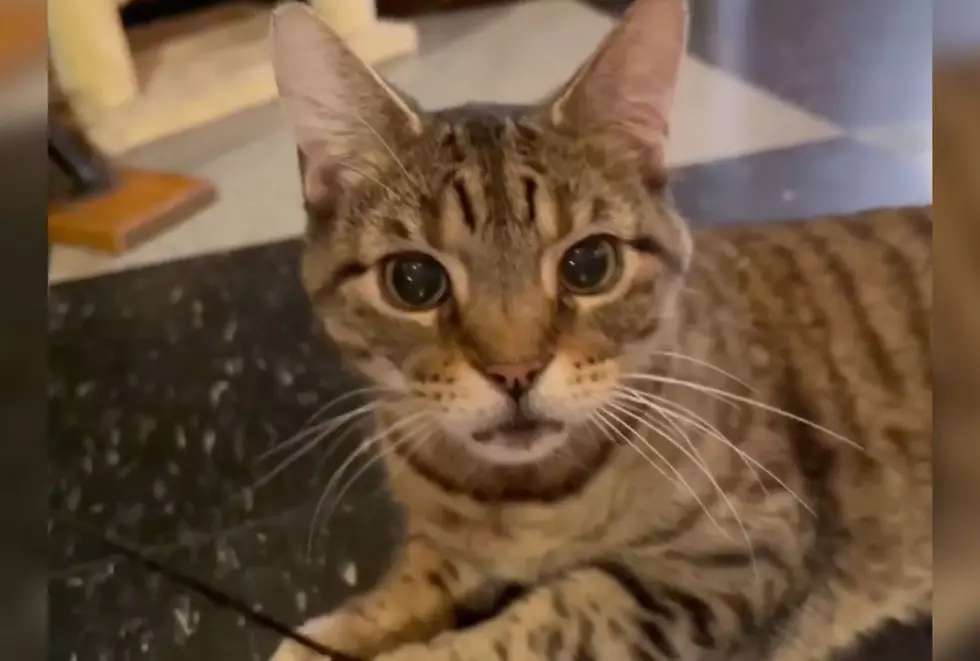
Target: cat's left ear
x=622, y=96
x=347, y=120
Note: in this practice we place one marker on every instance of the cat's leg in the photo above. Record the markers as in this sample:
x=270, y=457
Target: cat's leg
x=600, y=614
x=415, y=601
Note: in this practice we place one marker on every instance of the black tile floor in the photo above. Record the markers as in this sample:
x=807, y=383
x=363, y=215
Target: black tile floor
x=833, y=176
x=168, y=384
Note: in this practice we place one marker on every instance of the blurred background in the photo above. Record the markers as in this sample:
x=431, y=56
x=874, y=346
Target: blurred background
x=839, y=88
x=181, y=349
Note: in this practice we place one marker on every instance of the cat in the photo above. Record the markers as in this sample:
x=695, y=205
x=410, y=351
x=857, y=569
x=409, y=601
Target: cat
x=617, y=438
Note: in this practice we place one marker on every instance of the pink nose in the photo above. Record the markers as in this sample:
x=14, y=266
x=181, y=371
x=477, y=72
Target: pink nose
x=515, y=378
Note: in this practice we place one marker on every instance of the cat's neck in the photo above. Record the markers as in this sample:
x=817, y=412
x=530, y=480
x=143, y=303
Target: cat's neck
x=715, y=334
x=717, y=351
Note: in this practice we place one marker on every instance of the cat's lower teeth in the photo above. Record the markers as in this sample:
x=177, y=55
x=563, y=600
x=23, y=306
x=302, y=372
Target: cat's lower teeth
x=520, y=432
x=521, y=437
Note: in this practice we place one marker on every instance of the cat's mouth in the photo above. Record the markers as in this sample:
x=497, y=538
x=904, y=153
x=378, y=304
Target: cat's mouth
x=519, y=431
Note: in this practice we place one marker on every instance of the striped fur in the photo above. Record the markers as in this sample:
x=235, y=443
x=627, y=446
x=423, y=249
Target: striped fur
x=746, y=467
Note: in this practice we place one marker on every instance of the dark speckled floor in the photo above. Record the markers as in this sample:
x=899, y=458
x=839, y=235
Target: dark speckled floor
x=168, y=384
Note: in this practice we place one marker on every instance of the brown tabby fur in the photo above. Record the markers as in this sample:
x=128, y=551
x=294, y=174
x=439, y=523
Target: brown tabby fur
x=795, y=517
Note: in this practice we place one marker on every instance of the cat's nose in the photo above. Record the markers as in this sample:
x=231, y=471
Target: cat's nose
x=515, y=378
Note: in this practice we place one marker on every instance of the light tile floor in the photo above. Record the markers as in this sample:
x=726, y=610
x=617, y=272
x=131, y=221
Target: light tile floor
x=912, y=140
x=513, y=54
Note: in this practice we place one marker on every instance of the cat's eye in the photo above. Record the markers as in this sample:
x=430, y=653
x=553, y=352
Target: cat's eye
x=591, y=266
x=414, y=281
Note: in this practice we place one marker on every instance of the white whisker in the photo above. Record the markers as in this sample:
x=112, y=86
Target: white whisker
x=724, y=394
x=636, y=395
x=391, y=152
x=339, y=440
x=672, y=409
x=679, y=482
x=407, y=438
x=705, y=363
x=347, y=395
x=308, y=446
x=691, y=454
x=324, y=428
x=670, y=413
x=660, y=431
x=601, y=418
x=415, y=436
x=372, y=179
x=365, y=447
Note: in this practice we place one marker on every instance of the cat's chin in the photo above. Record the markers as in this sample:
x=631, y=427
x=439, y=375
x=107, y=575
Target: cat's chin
x=502, y=450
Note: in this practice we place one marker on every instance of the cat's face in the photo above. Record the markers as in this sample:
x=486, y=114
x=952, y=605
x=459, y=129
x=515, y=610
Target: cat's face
x=494, y=273
x=502, y=282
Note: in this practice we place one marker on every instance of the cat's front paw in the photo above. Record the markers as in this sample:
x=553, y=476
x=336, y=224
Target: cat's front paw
x=337, y=632
x=414, y=652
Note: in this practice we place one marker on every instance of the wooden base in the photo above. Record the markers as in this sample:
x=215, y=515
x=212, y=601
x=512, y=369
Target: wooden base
x=137, y=207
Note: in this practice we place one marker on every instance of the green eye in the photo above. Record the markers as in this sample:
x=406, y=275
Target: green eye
x=591, y=266
x=414, y=281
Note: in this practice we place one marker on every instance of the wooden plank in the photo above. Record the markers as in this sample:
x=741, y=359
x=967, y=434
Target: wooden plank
x=141, y=205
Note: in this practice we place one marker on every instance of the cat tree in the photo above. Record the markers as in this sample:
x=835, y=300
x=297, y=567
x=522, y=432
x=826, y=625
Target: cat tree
x=130, y=87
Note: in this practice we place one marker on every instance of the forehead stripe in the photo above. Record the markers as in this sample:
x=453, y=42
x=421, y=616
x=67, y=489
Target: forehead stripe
x=341, y=275
x=530, y=198
x=465, y=204
x=652, y=246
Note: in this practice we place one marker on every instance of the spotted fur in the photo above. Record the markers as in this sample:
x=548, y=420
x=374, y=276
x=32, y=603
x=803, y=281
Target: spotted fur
x=747, y=467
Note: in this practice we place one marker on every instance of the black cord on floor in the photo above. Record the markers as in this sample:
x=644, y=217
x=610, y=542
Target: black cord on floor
x=201, y=588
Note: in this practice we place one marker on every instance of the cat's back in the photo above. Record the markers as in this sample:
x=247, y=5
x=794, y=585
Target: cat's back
x=839, y=308
x=877, y=256
x=842, y=306
x=855, y=289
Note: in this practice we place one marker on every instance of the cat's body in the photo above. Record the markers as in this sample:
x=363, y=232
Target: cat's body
x=622, y=439
x=795, y=328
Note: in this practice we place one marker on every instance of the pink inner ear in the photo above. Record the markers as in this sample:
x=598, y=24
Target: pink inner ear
x=316, y=189
x=315, y=173
x=340, y=111
x=626, y=91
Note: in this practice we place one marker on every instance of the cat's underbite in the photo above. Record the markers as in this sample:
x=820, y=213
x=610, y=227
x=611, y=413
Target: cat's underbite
x=658, y=443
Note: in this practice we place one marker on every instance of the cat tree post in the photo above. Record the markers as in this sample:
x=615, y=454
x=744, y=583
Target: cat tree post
x=346, y=17
x=90, y=53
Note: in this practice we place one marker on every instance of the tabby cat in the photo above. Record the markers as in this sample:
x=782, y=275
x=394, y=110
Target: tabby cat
x=616, y=438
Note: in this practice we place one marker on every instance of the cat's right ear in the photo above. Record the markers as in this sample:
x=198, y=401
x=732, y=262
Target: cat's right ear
x=344, y=116
x=621, y=98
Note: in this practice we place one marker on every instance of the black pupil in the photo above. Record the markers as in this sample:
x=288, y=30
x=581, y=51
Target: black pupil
x=417, y=280
x=586, y=264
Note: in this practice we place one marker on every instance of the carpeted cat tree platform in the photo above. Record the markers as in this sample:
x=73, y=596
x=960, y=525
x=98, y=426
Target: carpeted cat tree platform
x=129, y=87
